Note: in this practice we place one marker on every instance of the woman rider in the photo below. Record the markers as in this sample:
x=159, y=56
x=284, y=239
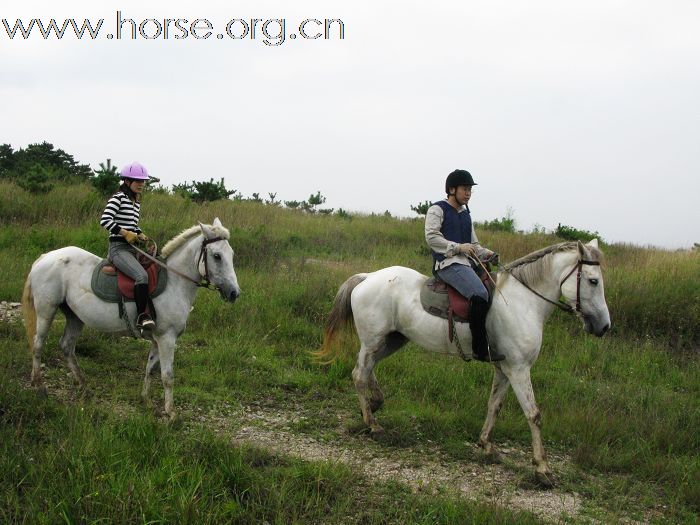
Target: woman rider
x=452, y=239
x=121, y=219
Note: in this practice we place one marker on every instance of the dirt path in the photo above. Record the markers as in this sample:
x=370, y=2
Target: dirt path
x=426, y=470
x=423, y=469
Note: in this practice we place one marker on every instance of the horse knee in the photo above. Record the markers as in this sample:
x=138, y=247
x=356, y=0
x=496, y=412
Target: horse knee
x=167, y=377
x=536, y=419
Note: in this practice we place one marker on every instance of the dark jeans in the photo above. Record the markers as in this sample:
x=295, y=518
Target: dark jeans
x=464, y=279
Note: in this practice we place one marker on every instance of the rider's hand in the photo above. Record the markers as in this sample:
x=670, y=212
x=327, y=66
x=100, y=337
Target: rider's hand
x=130, y=236
x=493, y=259
x=142, y=237
x=467, y=249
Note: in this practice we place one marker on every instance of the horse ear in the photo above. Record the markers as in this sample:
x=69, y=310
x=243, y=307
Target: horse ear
x=217, y=222
x=206, y=231
x=581, y=249
x=593, y=243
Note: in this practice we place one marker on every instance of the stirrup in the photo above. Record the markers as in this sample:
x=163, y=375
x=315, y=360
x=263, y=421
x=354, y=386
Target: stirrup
x=144, y=322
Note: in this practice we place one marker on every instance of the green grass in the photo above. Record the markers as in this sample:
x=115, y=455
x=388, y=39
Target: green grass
x=77, y=464
x=625, y=408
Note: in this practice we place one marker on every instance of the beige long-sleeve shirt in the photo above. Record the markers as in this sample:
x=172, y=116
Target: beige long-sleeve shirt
x=437, y=242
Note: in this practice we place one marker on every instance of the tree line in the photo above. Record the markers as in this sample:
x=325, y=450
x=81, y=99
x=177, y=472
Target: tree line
x=38, y=167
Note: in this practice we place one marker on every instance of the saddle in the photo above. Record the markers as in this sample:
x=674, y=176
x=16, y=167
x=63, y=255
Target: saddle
x=111, y=285
x=442, y=300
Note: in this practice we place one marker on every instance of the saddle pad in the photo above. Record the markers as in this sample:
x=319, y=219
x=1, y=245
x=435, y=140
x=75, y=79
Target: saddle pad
x=436, y=297
x=105, y=286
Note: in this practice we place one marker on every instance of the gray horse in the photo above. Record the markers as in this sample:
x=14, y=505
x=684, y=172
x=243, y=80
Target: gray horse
x=386, y=310
x=61, y=279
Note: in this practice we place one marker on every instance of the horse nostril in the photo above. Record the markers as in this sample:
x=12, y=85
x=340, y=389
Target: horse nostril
x=605, y=329
x=234, y=295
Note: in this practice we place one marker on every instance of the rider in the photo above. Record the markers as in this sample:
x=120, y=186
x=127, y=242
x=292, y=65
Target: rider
x=121, y=218
x=451, y=237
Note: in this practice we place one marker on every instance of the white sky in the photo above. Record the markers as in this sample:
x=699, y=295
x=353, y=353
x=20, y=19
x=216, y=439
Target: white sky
x=584, y=113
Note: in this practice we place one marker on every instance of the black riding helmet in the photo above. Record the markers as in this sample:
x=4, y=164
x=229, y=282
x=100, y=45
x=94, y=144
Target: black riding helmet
x=458, y=178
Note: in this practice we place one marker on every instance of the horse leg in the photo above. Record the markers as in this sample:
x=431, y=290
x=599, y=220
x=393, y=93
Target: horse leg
x=498, y=392
x=393, y=342
x=166, y=353
x=44, y=319
x=376, y=399
x=67, y=343
x=362, y=376
x=522, y=386
x=153, y=360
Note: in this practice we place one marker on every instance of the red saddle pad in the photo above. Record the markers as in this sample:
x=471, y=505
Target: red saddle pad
x=459, y=305
x=126, y=283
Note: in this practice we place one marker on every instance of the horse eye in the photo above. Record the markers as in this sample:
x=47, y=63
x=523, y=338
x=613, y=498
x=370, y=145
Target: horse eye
x=217, y=257
x=594, y=282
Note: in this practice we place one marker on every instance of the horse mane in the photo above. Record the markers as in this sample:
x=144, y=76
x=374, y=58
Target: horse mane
x=532, y=268
x=179, y=240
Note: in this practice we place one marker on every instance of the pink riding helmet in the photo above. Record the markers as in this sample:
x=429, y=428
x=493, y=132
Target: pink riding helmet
x=134, y=171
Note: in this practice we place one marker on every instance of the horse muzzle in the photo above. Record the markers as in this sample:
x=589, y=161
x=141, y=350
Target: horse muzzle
x=230, y=296
x=595, y=326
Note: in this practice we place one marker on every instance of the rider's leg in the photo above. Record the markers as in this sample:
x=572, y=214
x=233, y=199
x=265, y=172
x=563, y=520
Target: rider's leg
x=464, y=279
x=123, y=257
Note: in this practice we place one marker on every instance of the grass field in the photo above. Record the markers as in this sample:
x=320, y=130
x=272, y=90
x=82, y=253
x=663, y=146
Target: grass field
x=623, y=412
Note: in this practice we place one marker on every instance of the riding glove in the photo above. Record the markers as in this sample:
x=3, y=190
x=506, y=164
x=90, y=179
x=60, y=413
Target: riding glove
x=467, y=249
x=130, y=236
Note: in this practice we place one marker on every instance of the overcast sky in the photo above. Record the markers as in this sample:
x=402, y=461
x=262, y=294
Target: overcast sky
x=584, y=113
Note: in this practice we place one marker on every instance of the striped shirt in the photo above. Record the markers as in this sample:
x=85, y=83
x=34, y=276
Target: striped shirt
x=121, y=212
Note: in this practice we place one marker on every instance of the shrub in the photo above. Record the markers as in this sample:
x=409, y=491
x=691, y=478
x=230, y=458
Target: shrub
x=106, y=179
x=421, y=208
x=36, y=180
x=205, y=191
x=572, y=234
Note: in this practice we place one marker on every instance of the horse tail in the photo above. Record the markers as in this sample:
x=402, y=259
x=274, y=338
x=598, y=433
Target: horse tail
x=29, y=313
x=338, y=320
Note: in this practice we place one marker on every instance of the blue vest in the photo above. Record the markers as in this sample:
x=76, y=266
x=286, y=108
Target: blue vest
x=456, y=227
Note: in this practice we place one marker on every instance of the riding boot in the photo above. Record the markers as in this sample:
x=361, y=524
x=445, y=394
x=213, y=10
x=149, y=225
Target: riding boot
x=480, y=341
x=143, y=319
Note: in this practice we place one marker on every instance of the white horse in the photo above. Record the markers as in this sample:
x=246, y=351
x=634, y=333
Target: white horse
x=61, y=279
x=386, y=309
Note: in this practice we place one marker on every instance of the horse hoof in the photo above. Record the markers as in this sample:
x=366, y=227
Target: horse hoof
x=545, y=479
x=376, y=431
x=493, y=456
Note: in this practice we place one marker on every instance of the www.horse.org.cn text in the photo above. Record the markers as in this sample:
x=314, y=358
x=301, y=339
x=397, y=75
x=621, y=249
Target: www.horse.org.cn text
x=270, y=31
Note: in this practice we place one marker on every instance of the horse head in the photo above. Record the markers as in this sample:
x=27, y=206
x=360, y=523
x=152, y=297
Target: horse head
x=216, y=260
x=584, y=287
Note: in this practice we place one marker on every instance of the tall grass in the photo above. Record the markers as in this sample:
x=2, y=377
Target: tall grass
x=651, y=293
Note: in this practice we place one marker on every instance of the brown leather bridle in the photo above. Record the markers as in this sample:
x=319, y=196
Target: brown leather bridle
x=203, y=256
x=204, y=282
x=561, y=304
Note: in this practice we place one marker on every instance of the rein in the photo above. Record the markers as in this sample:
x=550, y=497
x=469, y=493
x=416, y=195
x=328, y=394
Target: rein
x=202, y=255
x=561, y=304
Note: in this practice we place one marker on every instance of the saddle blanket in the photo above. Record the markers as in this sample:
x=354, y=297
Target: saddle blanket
x=109, y=287
x=438, y=297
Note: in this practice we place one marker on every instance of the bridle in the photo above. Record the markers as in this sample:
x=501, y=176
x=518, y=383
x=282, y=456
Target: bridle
x=578, y=268
x=203, y=256
x=204, y=282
